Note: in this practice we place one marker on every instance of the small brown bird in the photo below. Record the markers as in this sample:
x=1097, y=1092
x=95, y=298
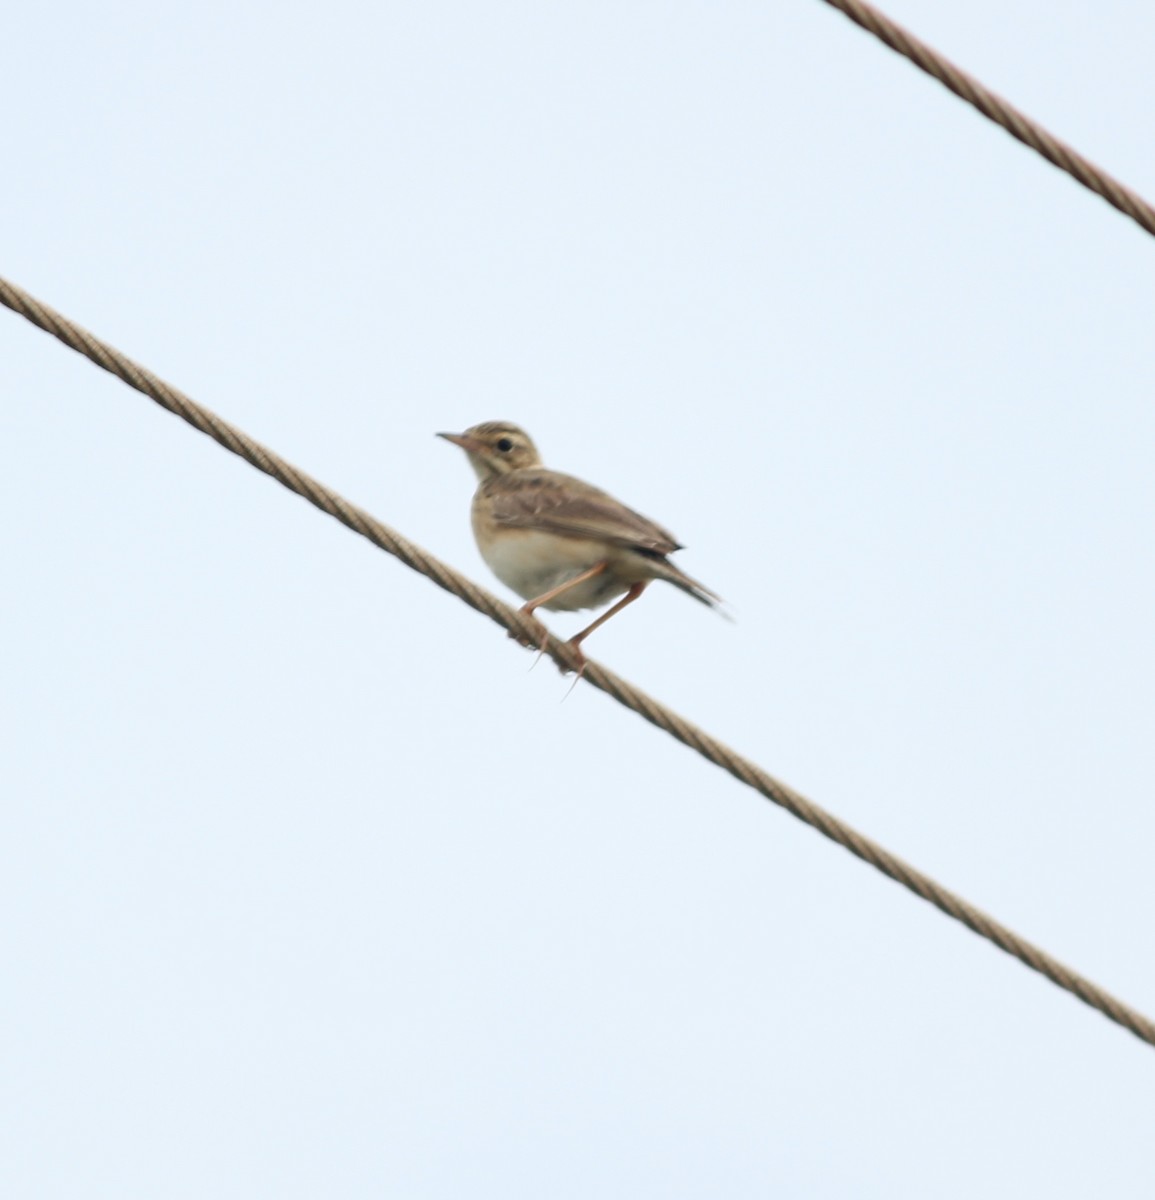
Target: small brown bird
x=558, y=542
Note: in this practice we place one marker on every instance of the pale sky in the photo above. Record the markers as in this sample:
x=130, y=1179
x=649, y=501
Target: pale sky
x=310, y=886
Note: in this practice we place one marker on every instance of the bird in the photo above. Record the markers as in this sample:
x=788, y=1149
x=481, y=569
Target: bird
x=558, y=542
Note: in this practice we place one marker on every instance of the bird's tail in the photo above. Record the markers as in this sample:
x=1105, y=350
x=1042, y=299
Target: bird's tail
x=692, y=587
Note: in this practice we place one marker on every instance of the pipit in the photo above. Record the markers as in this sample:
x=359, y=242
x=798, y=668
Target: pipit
x=558, y=542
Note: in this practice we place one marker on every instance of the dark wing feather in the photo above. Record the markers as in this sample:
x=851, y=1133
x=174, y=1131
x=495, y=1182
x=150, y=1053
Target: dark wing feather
x=536, y=498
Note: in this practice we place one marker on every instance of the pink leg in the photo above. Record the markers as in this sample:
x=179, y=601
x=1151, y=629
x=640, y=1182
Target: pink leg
x=635, y=591
x=553, y=593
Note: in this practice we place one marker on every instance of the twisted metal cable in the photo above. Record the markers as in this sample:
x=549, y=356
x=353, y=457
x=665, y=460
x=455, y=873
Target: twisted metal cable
x=625, y=693
x=996, y=109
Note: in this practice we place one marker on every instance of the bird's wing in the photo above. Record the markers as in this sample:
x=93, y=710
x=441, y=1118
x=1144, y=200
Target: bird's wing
x=536, y=498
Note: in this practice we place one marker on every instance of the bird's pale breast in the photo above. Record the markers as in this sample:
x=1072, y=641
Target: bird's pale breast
x=532, y=563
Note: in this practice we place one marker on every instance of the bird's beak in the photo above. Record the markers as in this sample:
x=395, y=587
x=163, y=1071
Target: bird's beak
x=472, y=445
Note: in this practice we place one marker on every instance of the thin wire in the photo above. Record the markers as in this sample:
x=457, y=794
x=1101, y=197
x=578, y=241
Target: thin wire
x=996, y=109
x=625, y=693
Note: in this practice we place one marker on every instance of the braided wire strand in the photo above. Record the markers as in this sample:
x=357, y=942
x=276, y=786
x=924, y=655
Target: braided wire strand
x=998, y=110
x=522, y=627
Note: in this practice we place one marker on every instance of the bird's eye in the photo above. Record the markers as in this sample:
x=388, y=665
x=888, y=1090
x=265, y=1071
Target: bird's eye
x=505, y=445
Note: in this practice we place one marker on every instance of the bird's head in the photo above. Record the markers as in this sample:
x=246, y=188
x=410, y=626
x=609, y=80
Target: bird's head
x=496, y=448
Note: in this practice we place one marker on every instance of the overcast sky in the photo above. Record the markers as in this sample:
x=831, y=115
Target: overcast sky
x=309, y=886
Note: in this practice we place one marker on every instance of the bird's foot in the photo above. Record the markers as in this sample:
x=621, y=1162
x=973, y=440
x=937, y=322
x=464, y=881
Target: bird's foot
x=540, y=642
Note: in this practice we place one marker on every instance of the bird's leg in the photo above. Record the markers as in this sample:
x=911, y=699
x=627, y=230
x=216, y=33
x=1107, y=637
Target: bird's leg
x=636, y=589
x=552, y=594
